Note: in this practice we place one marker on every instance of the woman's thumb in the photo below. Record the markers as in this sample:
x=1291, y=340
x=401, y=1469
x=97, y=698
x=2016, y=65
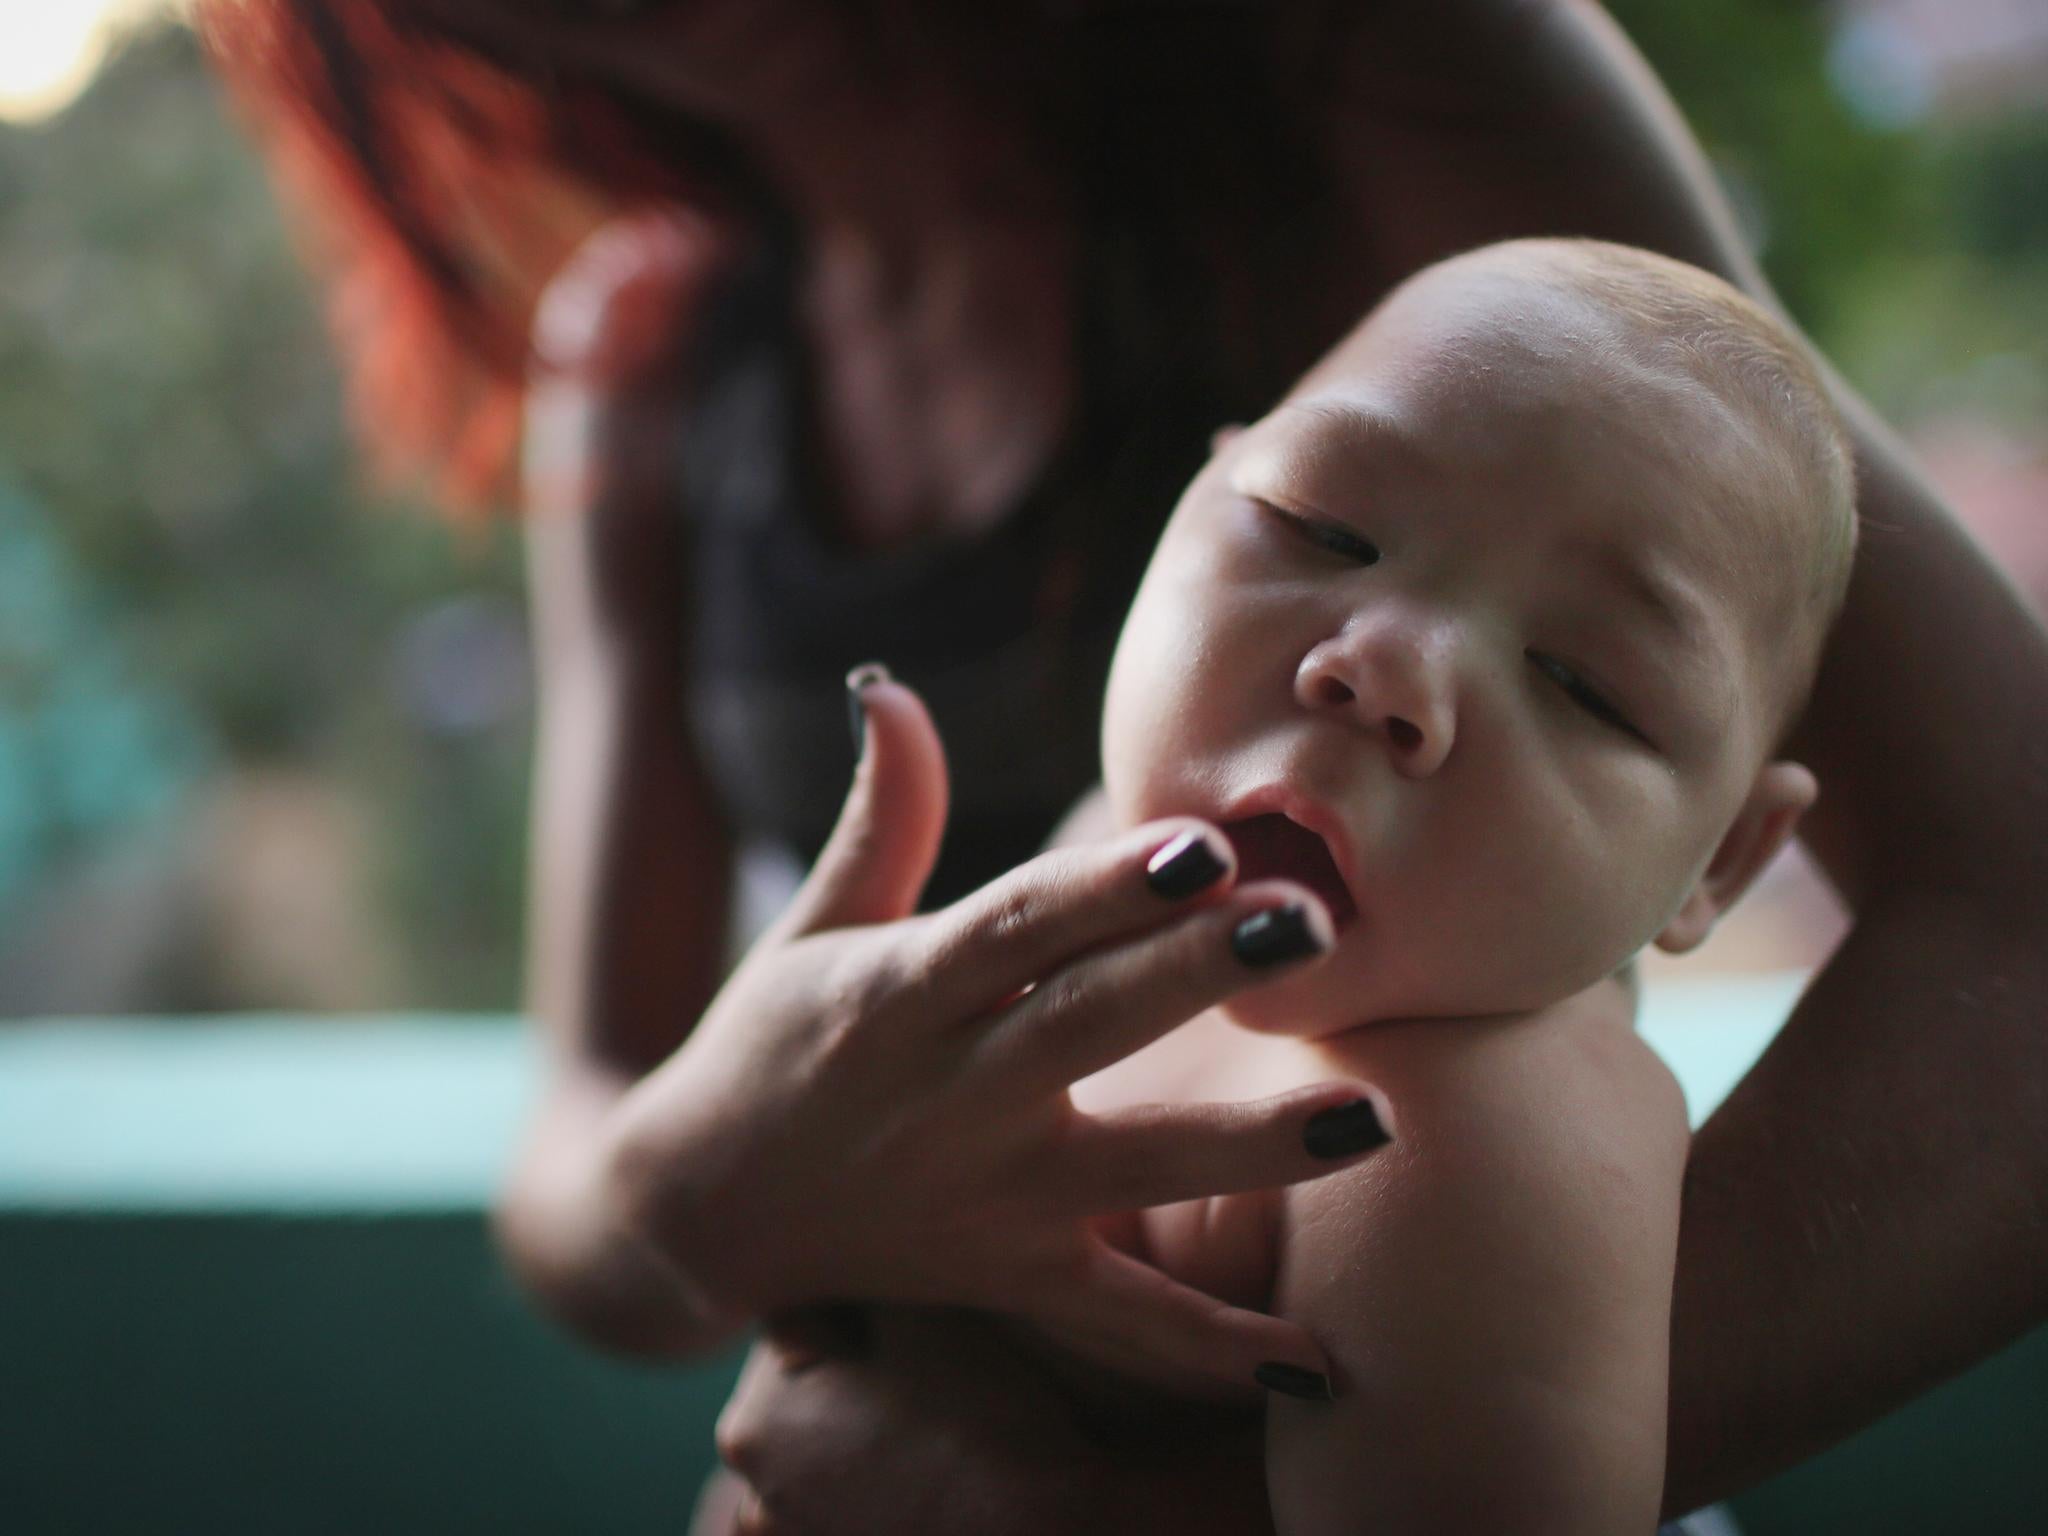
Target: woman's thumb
x=881, y=853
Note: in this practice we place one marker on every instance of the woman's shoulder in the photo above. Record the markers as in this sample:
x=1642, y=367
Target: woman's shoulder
x=617, y=309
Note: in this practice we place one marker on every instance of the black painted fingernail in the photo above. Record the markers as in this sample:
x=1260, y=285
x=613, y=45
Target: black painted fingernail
x=856, y=709
x=1346, y=1129
x=1275, y=935
x=1184, y=866
x=1276, y=1376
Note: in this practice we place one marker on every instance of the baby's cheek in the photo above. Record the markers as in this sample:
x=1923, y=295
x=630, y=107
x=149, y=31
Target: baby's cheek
x=1517, y=937
x=1138, y=700
x=1133, y=776
x=1596, y=918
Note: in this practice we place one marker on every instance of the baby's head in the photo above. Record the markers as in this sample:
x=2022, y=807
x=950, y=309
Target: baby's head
x=1502, y=613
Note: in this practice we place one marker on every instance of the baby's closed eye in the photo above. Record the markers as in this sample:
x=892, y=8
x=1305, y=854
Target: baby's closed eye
x=1589, y=698
x=1324, y=533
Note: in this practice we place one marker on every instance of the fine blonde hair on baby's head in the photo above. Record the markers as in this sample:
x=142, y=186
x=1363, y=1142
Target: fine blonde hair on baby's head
x=1751, y=361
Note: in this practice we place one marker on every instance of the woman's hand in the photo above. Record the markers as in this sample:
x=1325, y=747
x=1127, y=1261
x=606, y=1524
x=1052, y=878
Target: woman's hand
x=941, y=1423
x=876, y=1105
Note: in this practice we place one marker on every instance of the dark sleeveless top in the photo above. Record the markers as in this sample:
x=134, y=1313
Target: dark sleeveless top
x=1195, y=283
x=1007, y=634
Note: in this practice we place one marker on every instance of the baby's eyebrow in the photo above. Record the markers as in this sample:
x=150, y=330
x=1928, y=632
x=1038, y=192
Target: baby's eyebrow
x=1351, y=414
x=1669, y=606
x=1358, y=432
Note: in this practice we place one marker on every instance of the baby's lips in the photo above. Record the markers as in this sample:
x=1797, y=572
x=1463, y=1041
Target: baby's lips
x=1296, y=845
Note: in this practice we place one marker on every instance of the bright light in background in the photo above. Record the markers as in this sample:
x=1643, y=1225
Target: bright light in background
x=50, y=49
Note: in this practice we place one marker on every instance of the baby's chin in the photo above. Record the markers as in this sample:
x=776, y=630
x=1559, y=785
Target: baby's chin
x=1309, y=1005
x=1323, y=1002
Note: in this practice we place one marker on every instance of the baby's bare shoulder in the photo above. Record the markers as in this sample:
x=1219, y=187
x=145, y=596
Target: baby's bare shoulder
x=1537, y=1140
x=1465, y=1087
x=1494, y=1287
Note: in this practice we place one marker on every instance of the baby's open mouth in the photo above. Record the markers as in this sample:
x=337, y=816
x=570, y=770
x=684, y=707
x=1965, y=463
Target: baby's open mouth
x=1275, y=847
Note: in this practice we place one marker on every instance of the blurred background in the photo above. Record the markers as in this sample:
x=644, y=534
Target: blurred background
x=263, y=730
x=263, y=749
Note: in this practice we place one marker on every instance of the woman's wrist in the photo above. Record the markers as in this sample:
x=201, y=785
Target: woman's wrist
x=671, y=1185
x=557, y=1225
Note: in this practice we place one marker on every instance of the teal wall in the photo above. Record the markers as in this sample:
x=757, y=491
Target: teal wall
x=1970, y=1459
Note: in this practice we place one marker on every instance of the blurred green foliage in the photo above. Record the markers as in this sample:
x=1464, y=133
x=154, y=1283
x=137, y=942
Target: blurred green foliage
x=168, y=397
x=1914, y=256
x=1818, y=189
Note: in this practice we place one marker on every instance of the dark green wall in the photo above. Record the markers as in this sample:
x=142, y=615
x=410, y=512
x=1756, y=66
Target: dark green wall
x=303, y=1375
x=241, y=1373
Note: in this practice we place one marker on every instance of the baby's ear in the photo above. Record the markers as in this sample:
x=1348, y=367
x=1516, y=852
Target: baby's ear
x=1224, y=436
x=1782, y=792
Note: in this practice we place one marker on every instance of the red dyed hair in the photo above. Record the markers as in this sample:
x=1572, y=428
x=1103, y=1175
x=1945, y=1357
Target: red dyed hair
x=444, y=175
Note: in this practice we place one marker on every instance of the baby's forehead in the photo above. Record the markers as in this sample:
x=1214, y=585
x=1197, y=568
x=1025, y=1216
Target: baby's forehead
x=1568, y=412
x=1489, y=334
x=1546, y=406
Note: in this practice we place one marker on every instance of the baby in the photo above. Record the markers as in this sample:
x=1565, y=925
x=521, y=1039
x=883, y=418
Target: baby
x=1487, y=635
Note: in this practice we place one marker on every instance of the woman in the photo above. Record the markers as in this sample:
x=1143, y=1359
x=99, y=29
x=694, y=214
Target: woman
x=949, y=309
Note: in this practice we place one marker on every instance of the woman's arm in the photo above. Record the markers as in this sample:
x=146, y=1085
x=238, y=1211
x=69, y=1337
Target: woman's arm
x=939, y=1425
x=630, y=863
x=1521, y=1228
x=1863, y=1217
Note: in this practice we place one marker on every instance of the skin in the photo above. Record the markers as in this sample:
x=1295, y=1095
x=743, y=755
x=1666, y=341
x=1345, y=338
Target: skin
x=1902, y=1104
x=1380, y=603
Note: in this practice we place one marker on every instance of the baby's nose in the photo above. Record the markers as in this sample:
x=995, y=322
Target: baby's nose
x=1392, y=683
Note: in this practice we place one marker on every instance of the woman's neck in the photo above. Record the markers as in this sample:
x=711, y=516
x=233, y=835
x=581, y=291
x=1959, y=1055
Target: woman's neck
x=937, y=299
x=903, y=170
x=937, y=232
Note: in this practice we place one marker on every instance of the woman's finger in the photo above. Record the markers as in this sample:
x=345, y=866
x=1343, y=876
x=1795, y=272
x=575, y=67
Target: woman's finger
x=883, y=847
x=1160, y=1154
x=719, y=1503
x=1103, y=1006
x=751, y=1517
x=1018, y=929
x=1118, y=1297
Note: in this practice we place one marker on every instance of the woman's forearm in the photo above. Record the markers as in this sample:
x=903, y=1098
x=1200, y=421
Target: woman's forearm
x=1863, y=1218
x=1865, y=1215
x=559, y=1228
x=630, y=867
x=943, y=1422
x=617, y=984
x=626, y=950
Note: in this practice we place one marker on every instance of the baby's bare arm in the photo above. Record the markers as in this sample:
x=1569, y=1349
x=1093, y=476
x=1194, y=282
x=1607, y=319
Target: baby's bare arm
x=1495, y=1290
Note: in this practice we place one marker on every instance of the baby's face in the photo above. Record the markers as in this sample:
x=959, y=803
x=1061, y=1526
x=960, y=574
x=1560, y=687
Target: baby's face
x=1471, y=605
